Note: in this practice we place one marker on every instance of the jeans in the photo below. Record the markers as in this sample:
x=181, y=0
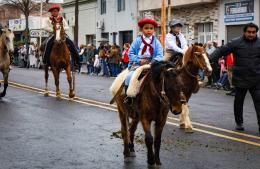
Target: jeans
x=105, y=67
x=114, y=69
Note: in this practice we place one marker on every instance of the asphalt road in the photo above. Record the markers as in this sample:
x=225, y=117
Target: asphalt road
x=42, y=132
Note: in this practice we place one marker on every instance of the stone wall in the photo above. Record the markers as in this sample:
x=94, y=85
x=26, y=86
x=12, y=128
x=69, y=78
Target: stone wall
x=193, y=15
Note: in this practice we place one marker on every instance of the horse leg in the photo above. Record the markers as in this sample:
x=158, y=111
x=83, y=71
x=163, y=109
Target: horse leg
x=186, y=116
x=132, y=129
x=56, y=74
x=5, y=76
x=125, y=134
x=157, y=138
x=148, y=141
x=46, y=91
x=68, y=72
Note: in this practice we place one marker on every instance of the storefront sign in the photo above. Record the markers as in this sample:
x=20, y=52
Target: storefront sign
x=35, y=33
x=239, y=11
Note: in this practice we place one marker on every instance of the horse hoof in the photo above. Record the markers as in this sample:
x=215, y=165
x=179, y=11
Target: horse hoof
x=182, y=126
x=46, y=94
x=132, y=154
x=128, y=159
x=71, y=96
x=189, y=130
x=151, y=166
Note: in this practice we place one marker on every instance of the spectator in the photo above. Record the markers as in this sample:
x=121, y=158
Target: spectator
x=81, y=55
x=103, y=55
x=97, y=67
x=113, y=60
x=90, y=57
x=124, y=59
x=246, y=74
x=230, y=62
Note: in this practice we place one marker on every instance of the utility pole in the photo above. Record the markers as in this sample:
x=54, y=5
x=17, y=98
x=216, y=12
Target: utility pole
x=169, y=10
x=163, y=25
x=76, y=28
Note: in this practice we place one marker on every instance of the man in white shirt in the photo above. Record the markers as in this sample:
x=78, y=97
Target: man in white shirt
x=176, y=44
x=48, y=26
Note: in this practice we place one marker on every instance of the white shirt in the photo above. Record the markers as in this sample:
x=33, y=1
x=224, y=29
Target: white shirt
x=47, y=25
x=147, y=52
x=170, y=42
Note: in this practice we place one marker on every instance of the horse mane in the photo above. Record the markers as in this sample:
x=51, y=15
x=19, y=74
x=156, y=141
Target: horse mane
x=158, y=67
x=187, y=55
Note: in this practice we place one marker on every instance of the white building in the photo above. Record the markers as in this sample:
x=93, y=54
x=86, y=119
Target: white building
x=117, y=21
x=87, y=19
x=234, y=14
x=114, y=21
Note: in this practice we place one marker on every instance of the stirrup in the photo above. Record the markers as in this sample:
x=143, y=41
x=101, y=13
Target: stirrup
x=129, y=100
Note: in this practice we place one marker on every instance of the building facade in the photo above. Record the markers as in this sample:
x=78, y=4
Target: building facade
x=117, y=21
x=112, y=21
x=234, y=14
x=87, y=20
x=200, y=17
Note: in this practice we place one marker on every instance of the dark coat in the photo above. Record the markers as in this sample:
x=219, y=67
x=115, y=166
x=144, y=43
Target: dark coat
x=246, y=72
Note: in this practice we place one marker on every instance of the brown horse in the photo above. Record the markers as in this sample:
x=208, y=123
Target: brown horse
x=59, y=59
x=162, y=91
x=6, y=47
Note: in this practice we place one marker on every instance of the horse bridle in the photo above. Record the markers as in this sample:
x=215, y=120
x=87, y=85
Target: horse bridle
x=201, y=66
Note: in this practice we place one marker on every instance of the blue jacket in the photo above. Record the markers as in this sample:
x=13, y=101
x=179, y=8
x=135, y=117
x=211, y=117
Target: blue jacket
x=135, y=47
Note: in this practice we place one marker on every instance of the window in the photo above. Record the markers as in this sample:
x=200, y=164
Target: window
x=103, y=7
x=120, y=5
x=205, y=32
x=91, y=39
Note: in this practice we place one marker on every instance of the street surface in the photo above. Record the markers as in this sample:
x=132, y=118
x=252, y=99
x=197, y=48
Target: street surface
x=38, y=132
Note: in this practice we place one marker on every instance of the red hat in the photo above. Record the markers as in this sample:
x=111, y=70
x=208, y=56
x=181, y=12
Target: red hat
x=147, y=20
x=54, y=7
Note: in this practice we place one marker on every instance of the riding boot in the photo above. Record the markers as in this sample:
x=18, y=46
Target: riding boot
x=73, y=51
x=47, y=51
x=128, y=100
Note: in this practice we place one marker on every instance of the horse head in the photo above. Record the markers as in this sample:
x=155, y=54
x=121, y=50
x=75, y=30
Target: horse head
x=167, y=83
x=7, y=38
x=59, y=31
x=198, y=57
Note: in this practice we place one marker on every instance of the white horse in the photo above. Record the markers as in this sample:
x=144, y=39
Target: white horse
x=6, y=48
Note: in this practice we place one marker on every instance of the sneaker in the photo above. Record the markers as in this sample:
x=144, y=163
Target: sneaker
x=232, y=93
x=240, y=127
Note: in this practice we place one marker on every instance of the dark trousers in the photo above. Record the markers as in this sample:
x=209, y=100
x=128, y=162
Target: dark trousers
x=239, y=102
x=71, y=46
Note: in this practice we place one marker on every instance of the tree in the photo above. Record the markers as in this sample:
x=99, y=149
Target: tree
x=27, y=7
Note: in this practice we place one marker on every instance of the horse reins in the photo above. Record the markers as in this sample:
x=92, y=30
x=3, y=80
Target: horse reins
x=189, y=73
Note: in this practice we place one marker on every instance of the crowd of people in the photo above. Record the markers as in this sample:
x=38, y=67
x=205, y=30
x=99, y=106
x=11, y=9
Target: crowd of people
x=107, y=60
x=21, y=59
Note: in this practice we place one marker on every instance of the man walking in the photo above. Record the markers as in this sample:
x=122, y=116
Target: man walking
x=246, y=70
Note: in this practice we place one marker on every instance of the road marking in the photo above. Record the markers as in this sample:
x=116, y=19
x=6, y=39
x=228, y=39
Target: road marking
x=220, y=129
x=105, y=106
x=221, y=135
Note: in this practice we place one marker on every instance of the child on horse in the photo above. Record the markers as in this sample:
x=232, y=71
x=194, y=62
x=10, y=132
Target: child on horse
x=48, y=26
x=144, y=50
x=176, y=44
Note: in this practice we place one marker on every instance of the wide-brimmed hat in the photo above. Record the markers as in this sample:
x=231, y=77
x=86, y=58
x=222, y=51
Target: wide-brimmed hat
x=54, y=7
x=147, y=20
x=175, y=22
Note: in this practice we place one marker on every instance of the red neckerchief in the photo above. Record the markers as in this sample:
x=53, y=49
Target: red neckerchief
x=59, y=19
x=146, y=45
